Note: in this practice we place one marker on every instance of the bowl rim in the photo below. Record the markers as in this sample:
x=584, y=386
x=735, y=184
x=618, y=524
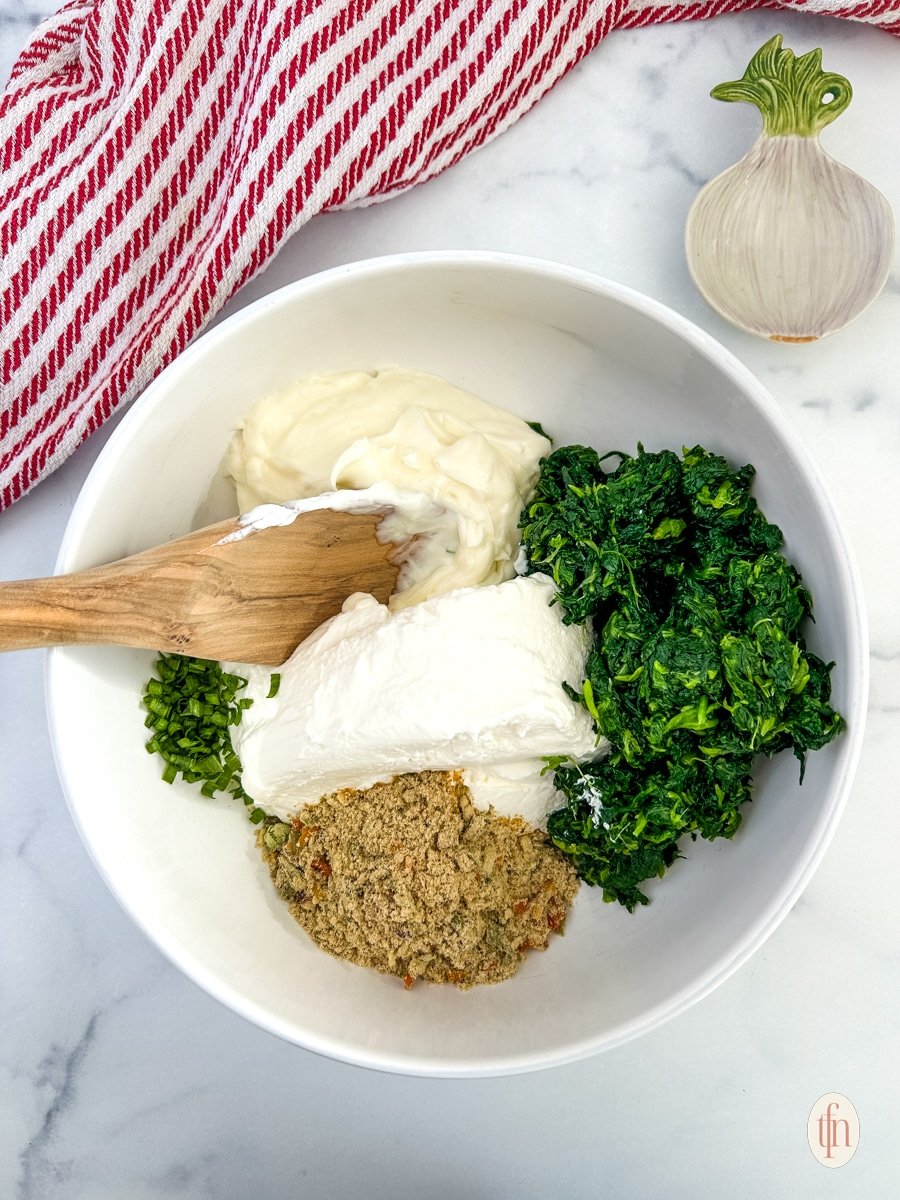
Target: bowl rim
x=767, y=921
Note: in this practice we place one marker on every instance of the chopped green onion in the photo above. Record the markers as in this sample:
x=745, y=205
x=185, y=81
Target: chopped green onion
x=274, y=685
x=191, y=706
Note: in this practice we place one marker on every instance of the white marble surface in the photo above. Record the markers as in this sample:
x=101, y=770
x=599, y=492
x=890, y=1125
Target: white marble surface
x=120, y=1080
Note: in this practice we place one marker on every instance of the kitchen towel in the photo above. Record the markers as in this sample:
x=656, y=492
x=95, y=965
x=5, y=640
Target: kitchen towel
x=156, y=154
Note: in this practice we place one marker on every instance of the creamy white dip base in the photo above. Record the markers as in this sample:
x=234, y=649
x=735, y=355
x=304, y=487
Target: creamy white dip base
x=468, y=681
x=464, y=671
x=402, y=433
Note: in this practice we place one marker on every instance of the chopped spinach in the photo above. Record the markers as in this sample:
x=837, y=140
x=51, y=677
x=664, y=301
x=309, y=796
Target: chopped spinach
x=538, y=428
x=699, y=662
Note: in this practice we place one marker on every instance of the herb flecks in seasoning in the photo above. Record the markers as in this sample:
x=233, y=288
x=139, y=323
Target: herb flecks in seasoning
x=192, y=705
x=410, y=878
x=699, y=661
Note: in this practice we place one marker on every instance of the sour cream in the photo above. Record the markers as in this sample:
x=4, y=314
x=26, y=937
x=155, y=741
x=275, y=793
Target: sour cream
x=468, y=681
x=407, y=433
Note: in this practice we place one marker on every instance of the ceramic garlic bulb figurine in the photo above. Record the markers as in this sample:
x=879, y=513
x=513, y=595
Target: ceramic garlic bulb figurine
x=788, y=243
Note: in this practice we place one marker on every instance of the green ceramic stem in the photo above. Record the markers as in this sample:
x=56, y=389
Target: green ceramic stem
x=794, y=95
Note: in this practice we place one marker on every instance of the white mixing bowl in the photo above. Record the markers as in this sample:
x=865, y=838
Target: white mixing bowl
x=595, y=363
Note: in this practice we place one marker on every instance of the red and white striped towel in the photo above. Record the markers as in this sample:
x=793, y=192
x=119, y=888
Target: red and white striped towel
x=157, y=153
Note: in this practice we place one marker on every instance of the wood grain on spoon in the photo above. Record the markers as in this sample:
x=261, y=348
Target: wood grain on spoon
x=253, y=599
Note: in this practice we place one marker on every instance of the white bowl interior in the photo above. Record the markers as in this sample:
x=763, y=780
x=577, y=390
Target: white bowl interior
x=594, y=363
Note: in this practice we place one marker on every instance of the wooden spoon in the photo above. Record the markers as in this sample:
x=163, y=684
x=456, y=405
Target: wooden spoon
x=252, y=599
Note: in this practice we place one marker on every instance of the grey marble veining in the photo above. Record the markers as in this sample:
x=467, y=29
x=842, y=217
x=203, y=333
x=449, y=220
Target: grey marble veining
x=17, y=19
x=120, y=1080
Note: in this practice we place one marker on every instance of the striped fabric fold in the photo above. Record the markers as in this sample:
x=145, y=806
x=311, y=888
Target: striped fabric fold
x=155, y=155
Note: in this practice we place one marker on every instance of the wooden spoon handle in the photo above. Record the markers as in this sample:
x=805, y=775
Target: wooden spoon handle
x=249, y=599
x=66, y=610
x=119, y=604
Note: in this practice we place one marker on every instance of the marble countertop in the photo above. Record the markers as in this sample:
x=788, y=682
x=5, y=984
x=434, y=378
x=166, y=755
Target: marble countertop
x=121, y=1080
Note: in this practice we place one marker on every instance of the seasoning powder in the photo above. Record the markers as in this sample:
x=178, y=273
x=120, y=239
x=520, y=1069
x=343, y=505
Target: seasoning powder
x=410, y=878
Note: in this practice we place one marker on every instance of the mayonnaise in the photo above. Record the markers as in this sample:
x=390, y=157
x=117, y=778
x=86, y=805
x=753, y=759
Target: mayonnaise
x=410, y=432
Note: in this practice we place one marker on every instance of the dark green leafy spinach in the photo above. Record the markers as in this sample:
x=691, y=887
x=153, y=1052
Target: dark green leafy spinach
x=699, y=663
